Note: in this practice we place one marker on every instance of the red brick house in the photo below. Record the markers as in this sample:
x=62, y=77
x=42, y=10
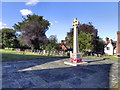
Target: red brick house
x=64, y=46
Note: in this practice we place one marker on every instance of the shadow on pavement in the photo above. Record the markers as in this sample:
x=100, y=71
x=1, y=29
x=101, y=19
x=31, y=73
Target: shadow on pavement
x=83, y=76
x=95, y=60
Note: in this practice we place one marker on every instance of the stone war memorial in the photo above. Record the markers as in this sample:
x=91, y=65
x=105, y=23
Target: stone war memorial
x=75, y=57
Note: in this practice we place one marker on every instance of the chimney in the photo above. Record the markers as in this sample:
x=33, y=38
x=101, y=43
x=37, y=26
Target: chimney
x=106, y=40
x=111, y=41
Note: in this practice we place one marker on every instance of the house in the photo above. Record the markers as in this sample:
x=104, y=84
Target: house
x=110, y=47
x=64, y=46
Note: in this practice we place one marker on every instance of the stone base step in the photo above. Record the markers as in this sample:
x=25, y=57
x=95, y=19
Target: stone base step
x=74, y=64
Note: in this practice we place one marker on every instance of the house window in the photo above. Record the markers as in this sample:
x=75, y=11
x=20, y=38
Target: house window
x=108, y=48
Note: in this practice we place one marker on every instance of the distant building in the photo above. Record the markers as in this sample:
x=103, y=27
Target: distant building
x=64, y=46
x=110, y=47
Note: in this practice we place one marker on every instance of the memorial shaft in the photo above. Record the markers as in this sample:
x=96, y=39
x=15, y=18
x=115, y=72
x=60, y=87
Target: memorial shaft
x=75, y=44
x=75, y=54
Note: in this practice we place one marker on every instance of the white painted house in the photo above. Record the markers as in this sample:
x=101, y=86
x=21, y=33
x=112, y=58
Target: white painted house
x=110, y=48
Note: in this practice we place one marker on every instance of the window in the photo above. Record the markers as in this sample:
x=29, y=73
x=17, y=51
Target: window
x=108, y=48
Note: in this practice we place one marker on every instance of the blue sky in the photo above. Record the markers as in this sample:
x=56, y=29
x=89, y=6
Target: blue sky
x=103, y=15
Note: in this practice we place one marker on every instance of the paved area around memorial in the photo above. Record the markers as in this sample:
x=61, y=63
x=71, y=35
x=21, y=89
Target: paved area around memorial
x=53, y=73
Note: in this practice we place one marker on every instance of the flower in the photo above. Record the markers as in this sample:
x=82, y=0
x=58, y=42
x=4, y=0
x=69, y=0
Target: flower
x=80, y=60
x=22, y=52
x=71, y=59
x=76, y=59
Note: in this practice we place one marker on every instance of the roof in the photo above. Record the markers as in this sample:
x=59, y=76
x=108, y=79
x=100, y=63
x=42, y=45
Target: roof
x=113, y=43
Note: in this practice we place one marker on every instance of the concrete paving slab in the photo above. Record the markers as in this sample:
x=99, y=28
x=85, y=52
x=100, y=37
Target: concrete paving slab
x=53, y=73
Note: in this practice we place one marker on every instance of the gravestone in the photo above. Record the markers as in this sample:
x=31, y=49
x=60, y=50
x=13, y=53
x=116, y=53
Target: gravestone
x=48, y=53
x=44, y=52
x=75, y=57
x=70, y=54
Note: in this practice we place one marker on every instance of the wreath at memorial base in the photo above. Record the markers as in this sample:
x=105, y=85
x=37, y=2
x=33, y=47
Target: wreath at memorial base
x=76, y=59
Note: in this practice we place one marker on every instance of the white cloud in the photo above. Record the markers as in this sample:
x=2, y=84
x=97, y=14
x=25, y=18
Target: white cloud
x=3, y=25
x=51, y=23
x=56, y=21
x=32, y=2
x=25, y=11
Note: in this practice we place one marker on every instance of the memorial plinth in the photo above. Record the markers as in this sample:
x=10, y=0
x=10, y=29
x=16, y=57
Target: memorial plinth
x=75, y=58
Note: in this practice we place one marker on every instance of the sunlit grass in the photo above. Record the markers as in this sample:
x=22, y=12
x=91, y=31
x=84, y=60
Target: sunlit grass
x=112, y=57
x=9, y=55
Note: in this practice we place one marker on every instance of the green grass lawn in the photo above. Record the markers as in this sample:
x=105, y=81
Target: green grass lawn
x=112, y=57
x=9, y=55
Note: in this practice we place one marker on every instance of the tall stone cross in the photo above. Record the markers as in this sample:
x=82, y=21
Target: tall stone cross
x=75, y=44
x=75, y=55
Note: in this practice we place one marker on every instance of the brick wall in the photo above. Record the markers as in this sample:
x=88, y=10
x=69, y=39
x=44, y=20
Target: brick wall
x=118, y=44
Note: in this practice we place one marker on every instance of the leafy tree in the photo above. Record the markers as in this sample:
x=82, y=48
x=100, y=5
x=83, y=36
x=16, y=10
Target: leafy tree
x=57, y=47
x=52, y=43
x=84, y=41
x=69, y=39
x=99, y=46
x=48, y=47
x=33, y=29
x=9, y=38
x=88, y=28
x=1, y=39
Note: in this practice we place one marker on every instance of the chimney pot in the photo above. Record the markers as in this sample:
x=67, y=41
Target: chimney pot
x=111, y=41
x=106, y=40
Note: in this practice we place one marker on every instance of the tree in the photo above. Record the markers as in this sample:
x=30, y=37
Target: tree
x=52, y=43
x=33, y=29
x=69, y=39
x=99, y=46
x=88, y=28
x=9, y=38
x=57, y=47
x=84, y=41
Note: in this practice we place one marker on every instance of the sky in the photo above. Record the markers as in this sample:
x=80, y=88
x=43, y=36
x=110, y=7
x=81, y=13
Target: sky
x=103, y=15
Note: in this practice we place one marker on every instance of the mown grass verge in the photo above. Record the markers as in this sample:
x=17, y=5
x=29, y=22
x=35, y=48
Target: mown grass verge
x=112, y=57
x=9, y=55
